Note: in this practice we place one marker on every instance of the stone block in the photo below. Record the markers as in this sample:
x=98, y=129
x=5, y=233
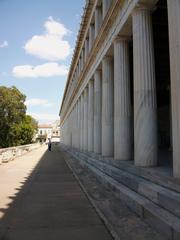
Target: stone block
x=170, y=201
x=158, y=224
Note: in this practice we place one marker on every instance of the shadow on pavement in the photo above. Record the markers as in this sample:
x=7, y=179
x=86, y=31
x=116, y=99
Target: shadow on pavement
x=50, y=205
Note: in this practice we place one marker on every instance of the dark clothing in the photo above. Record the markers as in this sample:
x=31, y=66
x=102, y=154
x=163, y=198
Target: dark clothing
x=49, y=146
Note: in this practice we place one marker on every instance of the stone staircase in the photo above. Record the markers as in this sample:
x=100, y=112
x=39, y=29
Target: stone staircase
x=155, y=199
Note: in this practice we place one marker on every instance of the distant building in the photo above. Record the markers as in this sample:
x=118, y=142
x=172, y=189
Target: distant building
x=48, y=131
x=56, y=129
x=44, y=132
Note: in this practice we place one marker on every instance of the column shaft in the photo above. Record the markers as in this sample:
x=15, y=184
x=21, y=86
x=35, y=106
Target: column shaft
x=145, y=116
x=82, y=59
x=122, y=101
x=90, y=116
x=85, y=138
x=78, y=123
x=72, y=127
x=76, y=126
x=98, y=20
x=81, y=121
x=97, y=111
x=91, y=36
x=107, y=107
x=174, y=40
x=86, y=49
x=105, y=6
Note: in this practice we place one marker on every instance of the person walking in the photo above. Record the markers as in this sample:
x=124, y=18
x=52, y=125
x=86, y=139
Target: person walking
x=49, y=145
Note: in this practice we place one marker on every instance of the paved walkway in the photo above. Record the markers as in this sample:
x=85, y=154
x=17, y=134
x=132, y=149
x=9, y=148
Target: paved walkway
x=41, y=199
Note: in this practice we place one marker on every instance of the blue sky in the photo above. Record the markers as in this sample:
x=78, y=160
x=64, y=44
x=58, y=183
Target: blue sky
x=37, y=38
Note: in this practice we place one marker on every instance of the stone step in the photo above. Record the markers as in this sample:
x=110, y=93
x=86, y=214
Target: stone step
x=120, y=220
x=159, y=175
x=144, y=203
x=166, y=198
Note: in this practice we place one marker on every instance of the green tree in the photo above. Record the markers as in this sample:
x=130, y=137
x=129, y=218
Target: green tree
x=15, y=125
x=27, y=130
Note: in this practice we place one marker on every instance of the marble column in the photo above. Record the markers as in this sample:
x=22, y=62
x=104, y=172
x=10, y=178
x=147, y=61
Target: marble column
x=82, y=59
x=70, y=130
x=86, y=49
x=72, y=126
x=122, y=101
x=98, y=20
x=75, y=126
x=107, y=106
x=91, y=36
x=81, y=121
x=78, y=124
x=90, y=116
x=79, y=67
x=105, y=6
x=174, y=41
x=145, y=116
x=97, y=111
x=75, y=76
x=85, y=137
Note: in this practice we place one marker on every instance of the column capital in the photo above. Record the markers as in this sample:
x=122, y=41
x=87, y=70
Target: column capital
x=85, y=90
x=91, y=81
x=144, y=6
x=91, y=24
x=98, y=70
x=107, y=57
x=120, y=38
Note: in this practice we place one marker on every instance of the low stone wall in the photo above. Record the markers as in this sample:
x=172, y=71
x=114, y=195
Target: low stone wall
x=8, y=154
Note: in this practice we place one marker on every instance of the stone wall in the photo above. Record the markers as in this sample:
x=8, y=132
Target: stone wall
x=8, y=154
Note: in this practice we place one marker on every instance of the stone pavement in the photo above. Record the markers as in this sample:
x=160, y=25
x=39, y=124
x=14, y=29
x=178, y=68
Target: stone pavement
x=41, y=199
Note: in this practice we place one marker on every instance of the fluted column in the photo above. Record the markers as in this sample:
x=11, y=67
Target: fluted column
x=97, y=111
x=122, y=101
x=105, y=6
x=75, y=125
x=90, y=116
x=107, y=107
x=82, y=59
x=78, y=123
x=174, y=41
x=75, y=76
x=79, y=67
x=85, y=138
x=98, y=20
x=81, y=121
x=86, y=48
x=72, y=126
x=91, y=36
x=145, y=116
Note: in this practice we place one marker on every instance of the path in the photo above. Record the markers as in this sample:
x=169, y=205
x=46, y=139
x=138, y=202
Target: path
x=41, y=199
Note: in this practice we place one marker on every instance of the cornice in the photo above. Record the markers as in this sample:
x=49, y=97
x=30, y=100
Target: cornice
x=86, y=18
x=106, y=25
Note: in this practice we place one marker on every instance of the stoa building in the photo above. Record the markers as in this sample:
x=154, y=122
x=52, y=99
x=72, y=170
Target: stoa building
x=121, y=103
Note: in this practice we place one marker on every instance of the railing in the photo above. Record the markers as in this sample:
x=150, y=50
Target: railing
x=9, y=154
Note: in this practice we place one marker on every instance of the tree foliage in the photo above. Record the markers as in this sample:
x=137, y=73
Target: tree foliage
x=16, y=128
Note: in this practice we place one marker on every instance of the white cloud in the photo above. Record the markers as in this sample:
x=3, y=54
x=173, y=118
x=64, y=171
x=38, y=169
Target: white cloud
x=38, y=102
x=44, y=70
x=44, y=117
x=4, y=44
x=51, y=44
